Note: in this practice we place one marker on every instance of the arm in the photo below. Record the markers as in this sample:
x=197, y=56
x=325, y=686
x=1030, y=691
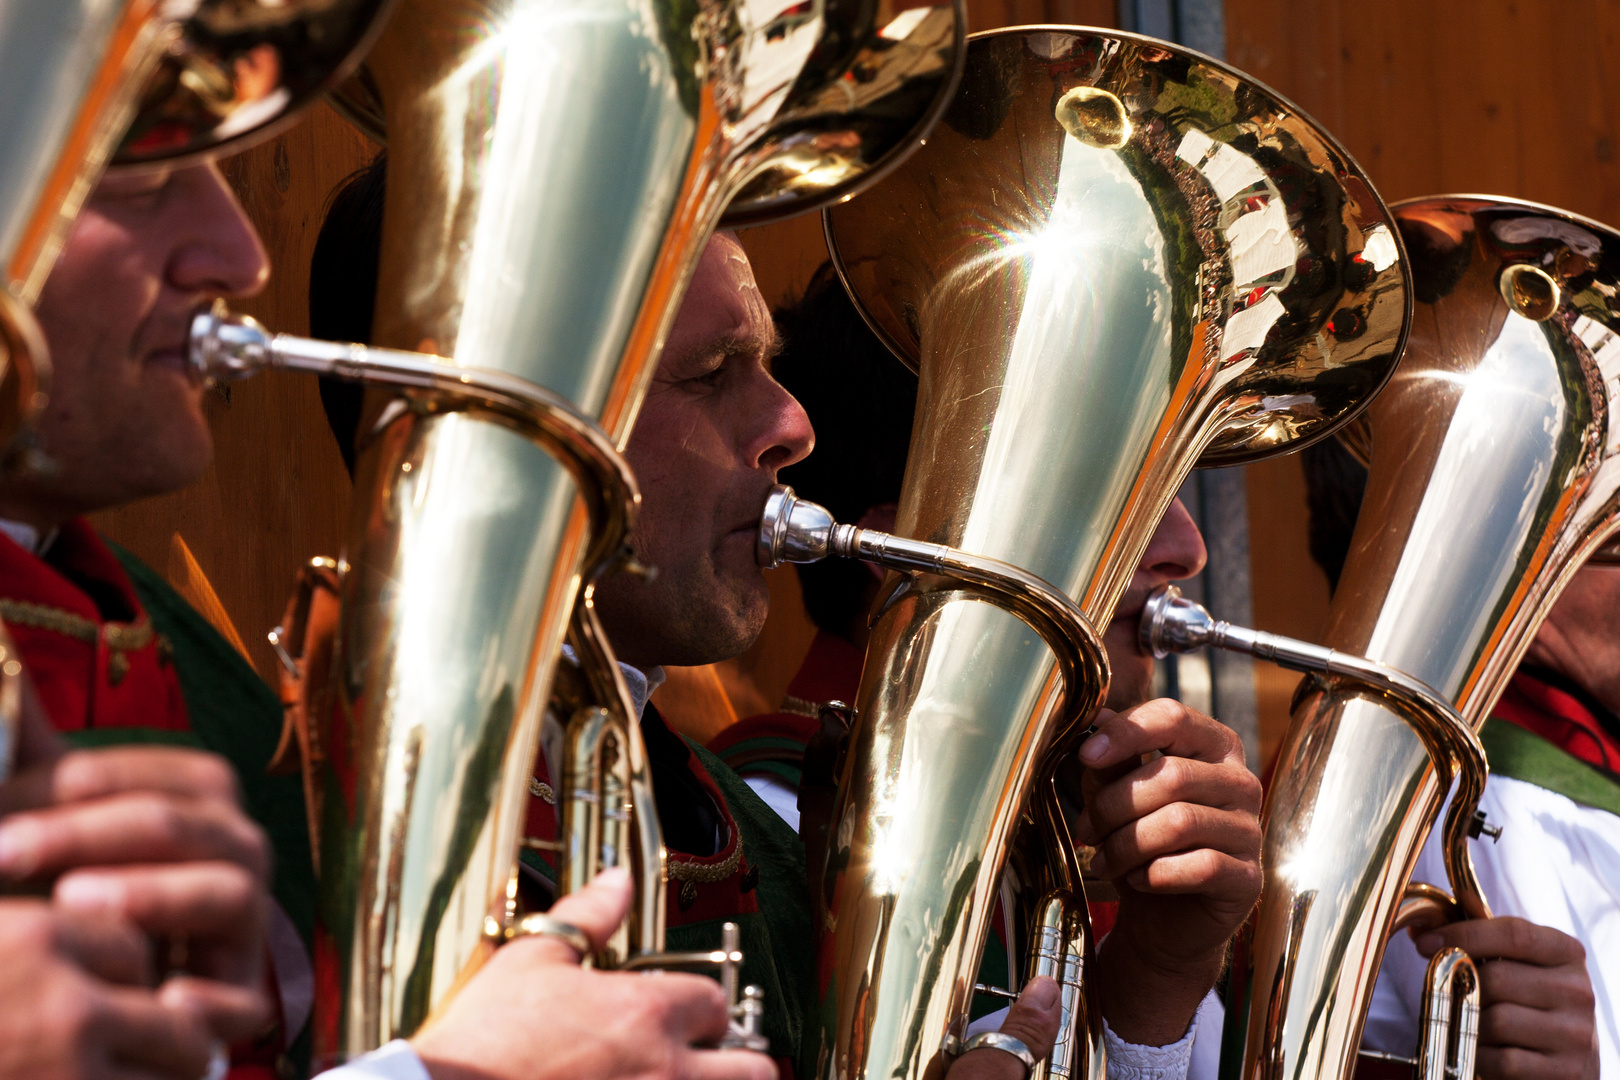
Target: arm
x=1537, y=1011
x=1180, y=838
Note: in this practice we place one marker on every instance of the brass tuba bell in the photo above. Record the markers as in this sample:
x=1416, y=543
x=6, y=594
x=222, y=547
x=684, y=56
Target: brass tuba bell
x=1494, y=474
x=555, y=168
x=1114, y=259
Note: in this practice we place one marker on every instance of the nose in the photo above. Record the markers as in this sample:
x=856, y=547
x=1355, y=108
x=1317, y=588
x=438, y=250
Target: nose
x=783, y=434
x=1176, y=550
x=215, y=249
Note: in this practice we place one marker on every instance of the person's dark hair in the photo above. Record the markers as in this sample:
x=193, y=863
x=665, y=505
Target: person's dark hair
x=1334, y=485
x=860, y=400
x=343, y=288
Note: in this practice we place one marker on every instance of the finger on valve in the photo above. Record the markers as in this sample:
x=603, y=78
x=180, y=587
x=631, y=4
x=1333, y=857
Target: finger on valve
x=1032, y=1020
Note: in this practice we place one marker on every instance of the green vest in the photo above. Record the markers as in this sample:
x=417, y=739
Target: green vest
x=778, y=942
x=235, y=715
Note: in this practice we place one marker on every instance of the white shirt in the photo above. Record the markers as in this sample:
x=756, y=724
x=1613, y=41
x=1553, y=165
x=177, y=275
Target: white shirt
x=1557, y=864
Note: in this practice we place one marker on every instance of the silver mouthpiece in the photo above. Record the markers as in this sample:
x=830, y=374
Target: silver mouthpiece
x=796, y=531
x=1173, y=624
x=226, y=347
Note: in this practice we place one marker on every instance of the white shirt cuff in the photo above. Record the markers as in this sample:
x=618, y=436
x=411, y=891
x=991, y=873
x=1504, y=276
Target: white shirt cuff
x=396, y=1061
x=1128, y=1061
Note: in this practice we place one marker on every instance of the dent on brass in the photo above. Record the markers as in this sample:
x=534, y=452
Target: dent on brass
x=1112, y=259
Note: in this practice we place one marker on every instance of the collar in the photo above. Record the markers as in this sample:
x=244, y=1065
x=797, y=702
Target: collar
x=28, y=537
x=1564, y=714
x=641, y=684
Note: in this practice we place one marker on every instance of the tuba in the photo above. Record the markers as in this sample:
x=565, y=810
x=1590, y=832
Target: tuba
x=555, y=168
x=1493, y=474
x=1114, y=259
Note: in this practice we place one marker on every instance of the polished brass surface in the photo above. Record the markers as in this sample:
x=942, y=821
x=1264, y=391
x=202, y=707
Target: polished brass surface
x=868, y=82
x=1172, y=623
x=554, y=170
x=793, y=530
x=1494, y=472
x=609, y=815
x=237, y=71
x=1113, y=258
x=1451, y=994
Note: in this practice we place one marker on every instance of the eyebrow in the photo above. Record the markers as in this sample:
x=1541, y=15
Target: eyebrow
x=767, y=345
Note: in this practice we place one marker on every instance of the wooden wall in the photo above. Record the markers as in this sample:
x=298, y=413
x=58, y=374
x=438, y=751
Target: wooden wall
x=1512, y=97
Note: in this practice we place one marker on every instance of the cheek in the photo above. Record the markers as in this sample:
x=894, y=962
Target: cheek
x=94, y=303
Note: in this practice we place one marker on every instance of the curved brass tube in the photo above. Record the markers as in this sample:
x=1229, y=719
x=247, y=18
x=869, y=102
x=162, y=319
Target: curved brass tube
x=227, y=347
x=796, y=531
x=1172, y=623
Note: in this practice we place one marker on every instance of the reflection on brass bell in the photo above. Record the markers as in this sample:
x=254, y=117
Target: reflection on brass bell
x=1095, y=117
x=1530, y=291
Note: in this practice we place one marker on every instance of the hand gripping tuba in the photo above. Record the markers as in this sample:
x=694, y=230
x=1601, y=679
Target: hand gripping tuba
x=555, y=168
x=1113, y=259
x=1494, y=474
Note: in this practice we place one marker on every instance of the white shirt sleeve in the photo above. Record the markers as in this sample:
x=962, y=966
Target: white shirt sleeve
x=1129, y=1061
x=396, y=1061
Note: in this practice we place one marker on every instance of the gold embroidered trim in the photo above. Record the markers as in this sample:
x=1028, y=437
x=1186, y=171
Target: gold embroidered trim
x=704, y=873
x=124, y=636
x=543, y=792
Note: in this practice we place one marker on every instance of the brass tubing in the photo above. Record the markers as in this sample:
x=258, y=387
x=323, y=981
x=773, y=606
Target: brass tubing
x=1060, y=947
x=1172, y=623
x=626, y=816
x=795, y=530
x=227, y=347
x=1450, y=1000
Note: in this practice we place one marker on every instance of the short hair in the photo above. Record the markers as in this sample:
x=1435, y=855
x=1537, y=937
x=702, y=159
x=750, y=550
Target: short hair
x=343, y=288
x=1335, y=482
x=860, y=400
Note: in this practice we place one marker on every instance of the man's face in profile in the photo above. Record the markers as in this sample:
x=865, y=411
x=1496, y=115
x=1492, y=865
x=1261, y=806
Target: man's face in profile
x=706, y=447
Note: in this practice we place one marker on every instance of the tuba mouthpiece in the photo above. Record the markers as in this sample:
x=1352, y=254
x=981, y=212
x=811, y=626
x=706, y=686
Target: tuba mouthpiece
x=1173, y=624
x=226, y=347
x=795, y=530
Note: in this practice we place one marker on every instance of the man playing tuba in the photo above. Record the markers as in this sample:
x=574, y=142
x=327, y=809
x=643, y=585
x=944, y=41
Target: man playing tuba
x=713, y=433
x=125, y=422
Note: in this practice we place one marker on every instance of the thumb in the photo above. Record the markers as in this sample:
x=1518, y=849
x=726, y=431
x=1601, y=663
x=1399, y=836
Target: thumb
x=1033, y=1019
x=599, y=907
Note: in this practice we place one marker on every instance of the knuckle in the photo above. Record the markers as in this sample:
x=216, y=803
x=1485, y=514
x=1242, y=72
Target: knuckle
x=211, y=776
x=1183, y=818
x=1249, y=790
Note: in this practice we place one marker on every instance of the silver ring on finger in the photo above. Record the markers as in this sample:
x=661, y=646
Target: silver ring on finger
x=539, y=924
x=996, y=1040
